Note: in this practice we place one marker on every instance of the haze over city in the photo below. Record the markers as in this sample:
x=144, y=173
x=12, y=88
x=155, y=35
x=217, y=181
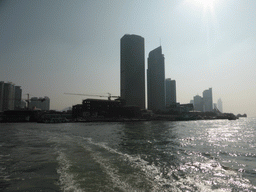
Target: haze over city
x=52, y=47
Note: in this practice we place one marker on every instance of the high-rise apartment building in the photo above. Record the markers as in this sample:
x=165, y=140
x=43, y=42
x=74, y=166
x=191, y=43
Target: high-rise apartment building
x=8, y=96
x=17, y=97
x=170, y=92
x=133, y=70
x=40, y=103
x=1, y=95
x=207, y=98
x=156, y=80
x=198, y=103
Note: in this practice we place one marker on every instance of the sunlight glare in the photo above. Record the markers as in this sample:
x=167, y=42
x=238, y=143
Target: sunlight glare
x=205, y=4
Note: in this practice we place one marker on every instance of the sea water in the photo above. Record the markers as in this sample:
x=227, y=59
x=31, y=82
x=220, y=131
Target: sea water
x=212, y=155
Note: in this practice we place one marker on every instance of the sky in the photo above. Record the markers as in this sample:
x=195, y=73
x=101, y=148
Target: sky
x=54, y=47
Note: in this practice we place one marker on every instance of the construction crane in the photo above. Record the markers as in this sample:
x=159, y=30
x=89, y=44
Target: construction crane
x=109, y=95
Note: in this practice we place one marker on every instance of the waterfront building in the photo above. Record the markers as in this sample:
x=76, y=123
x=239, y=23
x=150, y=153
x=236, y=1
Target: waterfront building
x=156, y=80
x=207, y=98
x=17, y=97
x=98, y=108
x=1, y=95
x=102, y=108
x=198, y=103
x=8, y=96
x=132, y=70
x=170, y=92
x=219, y=105
x=42, y=103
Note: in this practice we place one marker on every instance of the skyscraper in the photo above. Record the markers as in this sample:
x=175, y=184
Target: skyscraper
x=207, y=98
x=156, y=80
x=17, y=97
x=198, y=103
x=133, y=70
x=219, y=105
x=40, y=103
x=170, y=92
x=1, y=95
x=8, y=96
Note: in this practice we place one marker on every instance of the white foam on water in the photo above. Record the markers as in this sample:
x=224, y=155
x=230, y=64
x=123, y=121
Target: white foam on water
x=66, y=179
x=133, y=161
x=189, y=182
x=110, y=170
x=150, y=173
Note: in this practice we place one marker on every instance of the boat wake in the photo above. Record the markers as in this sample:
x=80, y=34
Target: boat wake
x=86, y=165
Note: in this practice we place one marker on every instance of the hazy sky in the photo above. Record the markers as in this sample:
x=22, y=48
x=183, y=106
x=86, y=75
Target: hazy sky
x=52, y=47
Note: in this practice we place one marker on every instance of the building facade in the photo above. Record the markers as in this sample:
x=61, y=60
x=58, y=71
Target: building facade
x=170, y=92
x=132, y=70
x=219, y=105
x=40, y=103
x=198, y=103
x=17, y=97
x=207, y=98
x=97, y=108
x=1, y=95
x=8, y=96
x=156, y=80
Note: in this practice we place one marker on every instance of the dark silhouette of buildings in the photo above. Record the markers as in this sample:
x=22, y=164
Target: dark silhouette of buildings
x=10, y=96
x=156, y=80
x=1, y=95
x=17, y=97
x=133, y=70
x=170, y=92
x=97, y=108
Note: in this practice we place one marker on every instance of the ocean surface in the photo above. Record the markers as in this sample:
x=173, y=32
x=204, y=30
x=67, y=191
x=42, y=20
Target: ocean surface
x=218, y=155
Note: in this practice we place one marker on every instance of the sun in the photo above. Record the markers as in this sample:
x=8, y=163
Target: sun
x=205, y=4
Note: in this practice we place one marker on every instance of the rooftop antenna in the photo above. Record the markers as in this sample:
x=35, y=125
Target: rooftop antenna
x=160, y=40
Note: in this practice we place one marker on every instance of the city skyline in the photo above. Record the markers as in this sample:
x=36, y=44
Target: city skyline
x=204, y=103
x=55, y=47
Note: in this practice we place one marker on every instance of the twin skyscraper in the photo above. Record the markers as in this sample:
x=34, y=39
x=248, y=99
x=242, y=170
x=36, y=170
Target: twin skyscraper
x=132, y=71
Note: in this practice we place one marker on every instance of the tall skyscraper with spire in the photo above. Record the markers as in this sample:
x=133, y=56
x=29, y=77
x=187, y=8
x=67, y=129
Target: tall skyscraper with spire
x=133, y=70
x=156, y=80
